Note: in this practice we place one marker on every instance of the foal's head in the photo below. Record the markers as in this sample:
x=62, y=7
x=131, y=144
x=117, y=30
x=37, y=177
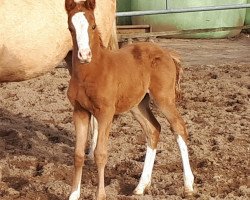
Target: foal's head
x=82, y=26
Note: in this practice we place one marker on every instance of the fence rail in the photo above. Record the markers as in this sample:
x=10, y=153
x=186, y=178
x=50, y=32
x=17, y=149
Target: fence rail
x=182, y=10
x=170, y=34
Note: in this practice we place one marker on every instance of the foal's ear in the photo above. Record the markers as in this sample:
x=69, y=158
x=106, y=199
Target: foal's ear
x=89, y=4
x=70, y=5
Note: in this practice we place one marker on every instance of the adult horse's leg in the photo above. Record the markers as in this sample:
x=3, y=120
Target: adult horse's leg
x=104, y=120
x=81, y=121
x=168, y=107
x=151, y=128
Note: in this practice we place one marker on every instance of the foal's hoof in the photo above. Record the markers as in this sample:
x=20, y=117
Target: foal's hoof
x=188, y=192
x=101, y=197
x=140, y=190
x=74, y=195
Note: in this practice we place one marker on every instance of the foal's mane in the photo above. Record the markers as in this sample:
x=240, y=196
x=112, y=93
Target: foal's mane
x=100, y=39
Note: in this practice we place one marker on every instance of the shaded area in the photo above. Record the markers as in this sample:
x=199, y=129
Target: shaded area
x=21, y=136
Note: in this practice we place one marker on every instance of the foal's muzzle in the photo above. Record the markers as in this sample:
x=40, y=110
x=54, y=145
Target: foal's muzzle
x=84, y=55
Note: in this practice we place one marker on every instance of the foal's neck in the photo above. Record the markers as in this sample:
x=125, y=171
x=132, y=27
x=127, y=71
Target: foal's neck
x=96, y=46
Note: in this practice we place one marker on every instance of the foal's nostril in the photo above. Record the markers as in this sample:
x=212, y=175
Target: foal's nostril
x=79, y=54
x=84, y=55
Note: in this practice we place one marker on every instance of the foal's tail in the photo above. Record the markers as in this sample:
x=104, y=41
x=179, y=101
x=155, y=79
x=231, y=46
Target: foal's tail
x=179, y=72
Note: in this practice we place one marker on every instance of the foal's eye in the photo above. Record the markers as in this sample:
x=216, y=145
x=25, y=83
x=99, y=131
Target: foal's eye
x=93, y=27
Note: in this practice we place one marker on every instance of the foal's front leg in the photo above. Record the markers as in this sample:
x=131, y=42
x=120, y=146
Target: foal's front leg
x=101, y=151
x=81, y=121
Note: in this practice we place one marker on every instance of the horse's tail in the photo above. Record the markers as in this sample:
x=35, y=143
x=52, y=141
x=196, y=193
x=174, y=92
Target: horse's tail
x=179, y=72
x=113, y=41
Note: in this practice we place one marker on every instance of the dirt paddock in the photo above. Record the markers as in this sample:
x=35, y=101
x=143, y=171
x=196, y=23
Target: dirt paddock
x=37, y=140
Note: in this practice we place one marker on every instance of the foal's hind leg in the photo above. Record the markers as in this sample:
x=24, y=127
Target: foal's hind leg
x=168, y=107
x=151, y=128
x=93, y=132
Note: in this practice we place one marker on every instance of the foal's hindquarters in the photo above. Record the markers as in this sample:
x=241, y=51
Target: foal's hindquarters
x=163, y=89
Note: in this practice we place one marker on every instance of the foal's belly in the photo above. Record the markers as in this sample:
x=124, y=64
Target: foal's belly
x=127, y=101
x=131, y=89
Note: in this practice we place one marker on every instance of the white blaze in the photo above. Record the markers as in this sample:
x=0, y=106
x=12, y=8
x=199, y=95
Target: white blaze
x=81, y=25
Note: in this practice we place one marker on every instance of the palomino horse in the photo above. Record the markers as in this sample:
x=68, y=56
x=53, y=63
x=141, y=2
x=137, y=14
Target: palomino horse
x=30, y=47
x=105, y=83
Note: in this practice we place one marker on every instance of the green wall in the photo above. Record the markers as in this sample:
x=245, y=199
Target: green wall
x=123, y=6
x=195, y=20
x=248, y=15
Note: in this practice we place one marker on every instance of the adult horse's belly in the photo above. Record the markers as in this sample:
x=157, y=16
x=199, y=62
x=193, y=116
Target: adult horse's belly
x=34, y=37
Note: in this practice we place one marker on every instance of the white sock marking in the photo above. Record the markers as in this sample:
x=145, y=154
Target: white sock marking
x=145, y=179
x=94, y=131
x=81, y=25
x=188, y=175
x=76, y=194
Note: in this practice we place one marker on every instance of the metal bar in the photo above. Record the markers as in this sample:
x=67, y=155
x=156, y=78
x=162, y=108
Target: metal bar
x=182, y=10
x=122, y=37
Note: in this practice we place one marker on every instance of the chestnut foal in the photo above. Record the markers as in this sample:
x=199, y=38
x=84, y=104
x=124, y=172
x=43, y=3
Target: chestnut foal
x=105, y=83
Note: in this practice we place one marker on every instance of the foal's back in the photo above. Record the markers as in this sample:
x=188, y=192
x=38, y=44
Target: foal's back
x=143, y=60
x=144, y=54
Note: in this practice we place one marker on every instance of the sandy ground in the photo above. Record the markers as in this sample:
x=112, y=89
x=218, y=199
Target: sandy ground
x=37, y=135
